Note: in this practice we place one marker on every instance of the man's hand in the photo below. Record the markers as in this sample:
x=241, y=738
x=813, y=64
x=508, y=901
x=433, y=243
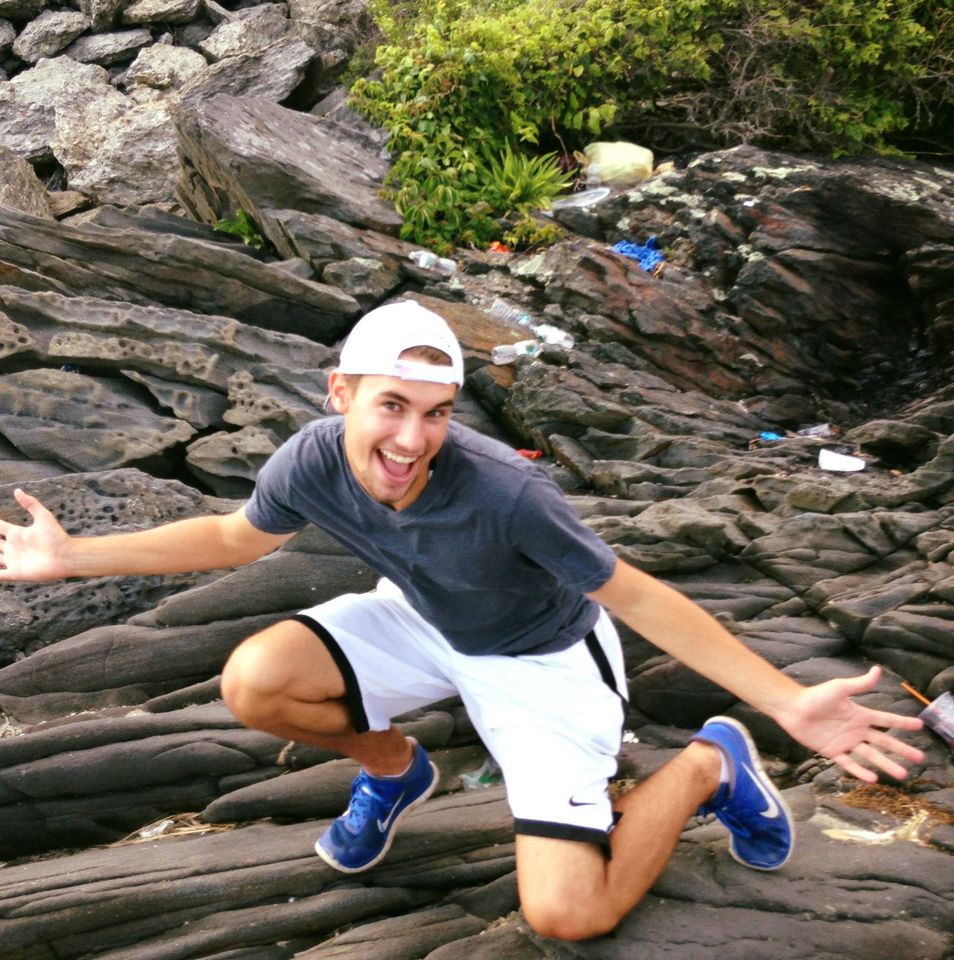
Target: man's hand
x=36, y=552
x=827, y=720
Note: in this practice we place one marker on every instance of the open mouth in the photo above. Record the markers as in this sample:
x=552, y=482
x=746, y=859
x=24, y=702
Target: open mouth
x=397, y=467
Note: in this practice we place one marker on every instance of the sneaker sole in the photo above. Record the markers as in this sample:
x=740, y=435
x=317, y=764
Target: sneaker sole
x=768, y=786
x=416, y=802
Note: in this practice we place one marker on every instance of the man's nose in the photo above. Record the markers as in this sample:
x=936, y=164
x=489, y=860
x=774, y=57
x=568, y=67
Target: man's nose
x=411, y=435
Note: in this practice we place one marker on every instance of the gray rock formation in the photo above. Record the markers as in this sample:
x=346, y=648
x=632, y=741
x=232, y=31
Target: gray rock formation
x=803, y=307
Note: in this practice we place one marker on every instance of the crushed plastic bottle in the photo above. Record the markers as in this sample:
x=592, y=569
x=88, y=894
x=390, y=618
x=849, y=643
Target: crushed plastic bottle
x=510, y=314
x=427, y=260
x=553, y=336
x=486, y=775
x=508, y=352
x=156, y=829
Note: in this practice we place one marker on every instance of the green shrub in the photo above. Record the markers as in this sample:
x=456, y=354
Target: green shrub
x=460, y=86
x=833, y=76
x=447, y=204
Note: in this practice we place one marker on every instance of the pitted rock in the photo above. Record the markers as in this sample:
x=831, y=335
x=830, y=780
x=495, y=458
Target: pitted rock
x=83, y=422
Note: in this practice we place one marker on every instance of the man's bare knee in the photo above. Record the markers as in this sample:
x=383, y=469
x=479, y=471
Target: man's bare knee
x=568, y=920
x=242, y=680
x=283, y=661
x=563, y=888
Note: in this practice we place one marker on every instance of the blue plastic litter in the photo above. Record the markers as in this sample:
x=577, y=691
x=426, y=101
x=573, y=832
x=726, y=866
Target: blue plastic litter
x=648, y=255
x=769, y=435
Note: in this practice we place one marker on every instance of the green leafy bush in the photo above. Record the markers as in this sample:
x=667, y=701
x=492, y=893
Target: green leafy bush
x=461, y=86
x=833, y=76
x=465, y=203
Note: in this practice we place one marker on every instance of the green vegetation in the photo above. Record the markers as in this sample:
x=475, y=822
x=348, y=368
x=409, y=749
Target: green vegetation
x=242, y=226
x=487, y=100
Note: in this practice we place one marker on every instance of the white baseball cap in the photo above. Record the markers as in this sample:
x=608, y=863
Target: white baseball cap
x=378, y=339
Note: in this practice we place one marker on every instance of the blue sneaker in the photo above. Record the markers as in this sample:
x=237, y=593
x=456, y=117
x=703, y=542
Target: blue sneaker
x=749, y=805
x=362, y=835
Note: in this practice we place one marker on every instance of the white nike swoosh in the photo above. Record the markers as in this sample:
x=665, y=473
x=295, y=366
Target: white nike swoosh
x=386, y=822
x=771, y=811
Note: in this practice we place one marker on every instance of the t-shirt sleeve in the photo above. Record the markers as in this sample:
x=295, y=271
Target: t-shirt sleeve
x=271, y=506
x=550, y=532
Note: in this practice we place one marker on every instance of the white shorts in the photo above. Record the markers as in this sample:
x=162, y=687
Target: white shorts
x=553, y=722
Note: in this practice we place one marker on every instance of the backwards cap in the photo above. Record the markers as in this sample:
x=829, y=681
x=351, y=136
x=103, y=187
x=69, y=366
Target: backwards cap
x=375, y=344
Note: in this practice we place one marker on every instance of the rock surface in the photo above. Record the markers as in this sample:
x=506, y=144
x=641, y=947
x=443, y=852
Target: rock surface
x=149, y=364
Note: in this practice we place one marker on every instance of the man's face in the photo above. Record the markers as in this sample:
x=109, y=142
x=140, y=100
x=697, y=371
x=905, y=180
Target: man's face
x=393, y=429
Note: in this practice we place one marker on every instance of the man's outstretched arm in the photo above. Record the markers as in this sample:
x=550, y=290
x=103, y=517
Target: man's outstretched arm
x=822, y=717
x=43, y=550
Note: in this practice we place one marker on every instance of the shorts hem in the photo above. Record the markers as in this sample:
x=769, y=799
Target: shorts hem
x=563, y=831
x=359, y=718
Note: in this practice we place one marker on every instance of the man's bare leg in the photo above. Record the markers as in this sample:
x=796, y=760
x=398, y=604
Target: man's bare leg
x=285, y=682
x=570, y=890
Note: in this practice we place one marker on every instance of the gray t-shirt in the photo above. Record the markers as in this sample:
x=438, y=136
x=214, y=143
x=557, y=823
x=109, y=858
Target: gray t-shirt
x=490, y=553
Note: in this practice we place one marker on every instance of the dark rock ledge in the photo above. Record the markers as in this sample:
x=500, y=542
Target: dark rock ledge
x=149, y=365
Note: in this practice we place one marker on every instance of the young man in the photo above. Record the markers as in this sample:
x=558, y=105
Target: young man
x=495, y=590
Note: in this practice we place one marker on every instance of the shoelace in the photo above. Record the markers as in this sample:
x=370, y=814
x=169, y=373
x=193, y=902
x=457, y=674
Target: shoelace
x=363, y=803
x=366, y=803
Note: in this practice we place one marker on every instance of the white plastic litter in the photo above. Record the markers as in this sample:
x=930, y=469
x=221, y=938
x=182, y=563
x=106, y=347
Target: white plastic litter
x=585, y=198
x=486, y=775
x=839, y=462
x=156, y=830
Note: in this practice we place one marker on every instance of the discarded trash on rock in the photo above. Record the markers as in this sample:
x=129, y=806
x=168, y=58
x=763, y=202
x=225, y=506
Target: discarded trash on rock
x=530, y=454
x=549, y=334
x=819, y=430
x=617, y=162
x=486, y=775
x=510, y=314
x=156, y=830
x=765, y=437
x=498, y=247
x=427, y=260
x=938, y=714
x=585, y=198
x=648, y=255
x=839, y=462
x=553, y=336
x=508, y=352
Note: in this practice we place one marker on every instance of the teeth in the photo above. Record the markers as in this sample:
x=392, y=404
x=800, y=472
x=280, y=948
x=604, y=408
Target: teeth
x=397, y=458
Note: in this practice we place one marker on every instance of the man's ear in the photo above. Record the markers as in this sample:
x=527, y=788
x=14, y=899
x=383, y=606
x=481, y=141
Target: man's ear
x=339, y=392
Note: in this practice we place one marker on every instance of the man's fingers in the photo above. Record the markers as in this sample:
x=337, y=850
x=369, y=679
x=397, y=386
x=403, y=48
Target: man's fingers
x=887, y=721
x=887, y=742
x=851, y=766
x=874, y=758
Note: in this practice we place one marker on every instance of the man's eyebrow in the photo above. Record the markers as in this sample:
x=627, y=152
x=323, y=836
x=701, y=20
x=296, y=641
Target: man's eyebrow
x=401, y=398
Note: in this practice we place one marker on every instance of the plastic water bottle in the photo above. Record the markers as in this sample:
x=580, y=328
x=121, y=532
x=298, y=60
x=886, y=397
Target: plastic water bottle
x=431, y=261
x=553, y=336
x=508, y=352
x=510, y=314
x=546, y=332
